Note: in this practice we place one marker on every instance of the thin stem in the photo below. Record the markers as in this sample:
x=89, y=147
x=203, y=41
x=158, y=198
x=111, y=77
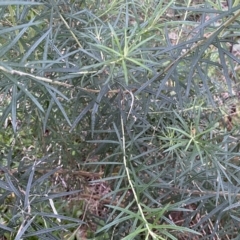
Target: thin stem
x=154, y=236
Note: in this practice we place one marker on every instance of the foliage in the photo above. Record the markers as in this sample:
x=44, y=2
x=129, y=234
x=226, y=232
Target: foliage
x=119, y=119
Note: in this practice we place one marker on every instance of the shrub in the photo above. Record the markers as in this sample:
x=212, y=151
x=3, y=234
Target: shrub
x=119, y=120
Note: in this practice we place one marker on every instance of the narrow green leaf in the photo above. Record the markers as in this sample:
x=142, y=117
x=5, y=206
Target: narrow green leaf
x=53, y=94
x=4, y=3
